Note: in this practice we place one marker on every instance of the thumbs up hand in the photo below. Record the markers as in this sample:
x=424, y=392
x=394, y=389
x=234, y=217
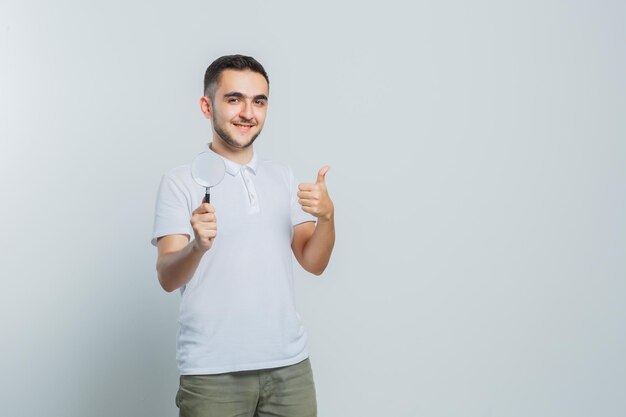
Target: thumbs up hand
x=314, y=198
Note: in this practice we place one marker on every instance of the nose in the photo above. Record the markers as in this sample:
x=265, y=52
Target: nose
x=246, y=110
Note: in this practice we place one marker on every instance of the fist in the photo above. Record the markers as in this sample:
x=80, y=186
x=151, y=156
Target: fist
x=314, y=198
x=204, y=224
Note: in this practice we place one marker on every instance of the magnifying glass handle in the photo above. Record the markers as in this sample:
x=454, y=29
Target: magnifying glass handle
x=208, y=195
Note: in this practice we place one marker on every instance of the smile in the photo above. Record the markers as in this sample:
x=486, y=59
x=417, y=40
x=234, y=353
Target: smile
x=243, y=127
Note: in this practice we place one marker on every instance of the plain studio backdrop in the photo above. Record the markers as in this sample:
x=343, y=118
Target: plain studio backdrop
x=478, y=173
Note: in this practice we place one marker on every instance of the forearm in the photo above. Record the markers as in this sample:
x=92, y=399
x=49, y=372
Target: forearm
x=175, y=269
x=317, y=251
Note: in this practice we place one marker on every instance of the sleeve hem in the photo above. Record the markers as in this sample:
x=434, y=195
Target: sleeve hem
x=170, y=232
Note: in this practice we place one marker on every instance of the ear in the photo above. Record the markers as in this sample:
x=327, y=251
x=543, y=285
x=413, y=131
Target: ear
x=205, y=107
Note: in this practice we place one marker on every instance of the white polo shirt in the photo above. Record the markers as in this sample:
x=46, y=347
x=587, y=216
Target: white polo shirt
x=237, y=312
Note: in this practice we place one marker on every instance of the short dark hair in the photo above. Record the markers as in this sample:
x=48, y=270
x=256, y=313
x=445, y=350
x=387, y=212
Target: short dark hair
x=237, y=62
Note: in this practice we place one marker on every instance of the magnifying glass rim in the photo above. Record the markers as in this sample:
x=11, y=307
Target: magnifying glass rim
x=213, y=157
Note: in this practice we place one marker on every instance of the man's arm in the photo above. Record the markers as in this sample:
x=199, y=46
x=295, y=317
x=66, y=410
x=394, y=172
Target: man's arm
x=312, y=243
x=177, y=261
x=178, y=258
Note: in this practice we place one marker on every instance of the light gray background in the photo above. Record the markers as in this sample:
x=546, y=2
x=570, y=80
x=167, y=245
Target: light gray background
x=478, y=173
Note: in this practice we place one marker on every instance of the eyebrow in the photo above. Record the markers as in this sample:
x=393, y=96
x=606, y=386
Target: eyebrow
x=238, y=94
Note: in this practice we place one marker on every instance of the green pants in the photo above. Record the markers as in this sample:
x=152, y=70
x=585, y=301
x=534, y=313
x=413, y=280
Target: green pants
x=288, y=391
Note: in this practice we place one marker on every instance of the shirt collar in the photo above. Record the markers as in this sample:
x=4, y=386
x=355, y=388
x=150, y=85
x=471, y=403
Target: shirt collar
x=233, y=168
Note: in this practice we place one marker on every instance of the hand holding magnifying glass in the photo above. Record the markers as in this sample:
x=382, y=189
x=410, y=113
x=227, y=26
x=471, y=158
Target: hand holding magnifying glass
x=208, y=170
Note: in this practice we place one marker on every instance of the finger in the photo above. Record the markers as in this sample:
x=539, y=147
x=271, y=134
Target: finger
x=204, y=208
x=207, y=217
x=201, y=227
x=209, y=233
x=308, y=194
x=209, y=226
x=307, y=187
x=307, y=203
x=310, y=210
x=321, y=174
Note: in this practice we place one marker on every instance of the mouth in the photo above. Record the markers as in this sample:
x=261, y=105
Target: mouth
x=244, y=127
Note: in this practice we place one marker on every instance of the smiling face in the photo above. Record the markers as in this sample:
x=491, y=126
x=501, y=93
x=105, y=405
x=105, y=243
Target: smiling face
x=238, y=109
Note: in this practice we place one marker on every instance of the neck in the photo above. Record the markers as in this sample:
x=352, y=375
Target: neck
x=240, y=156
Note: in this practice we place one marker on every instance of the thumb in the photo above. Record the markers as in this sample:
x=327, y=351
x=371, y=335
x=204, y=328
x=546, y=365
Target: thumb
x=321, y=174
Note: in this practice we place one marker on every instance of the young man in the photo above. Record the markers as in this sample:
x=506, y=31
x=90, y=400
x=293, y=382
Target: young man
x=241, y=349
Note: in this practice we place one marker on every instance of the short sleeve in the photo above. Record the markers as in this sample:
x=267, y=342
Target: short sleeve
x=297, y=214
x=171, y=214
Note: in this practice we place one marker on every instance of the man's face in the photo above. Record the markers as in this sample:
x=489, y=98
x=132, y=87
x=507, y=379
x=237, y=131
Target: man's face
x=239, y=107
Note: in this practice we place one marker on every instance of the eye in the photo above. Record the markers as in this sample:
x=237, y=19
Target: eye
x=233, y=100
x=261, y=102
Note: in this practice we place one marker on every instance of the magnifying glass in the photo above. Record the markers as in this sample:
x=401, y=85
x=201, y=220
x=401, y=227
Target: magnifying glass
x=208, y=170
